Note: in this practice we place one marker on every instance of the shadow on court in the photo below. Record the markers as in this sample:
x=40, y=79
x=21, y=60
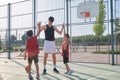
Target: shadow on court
x=82, y=71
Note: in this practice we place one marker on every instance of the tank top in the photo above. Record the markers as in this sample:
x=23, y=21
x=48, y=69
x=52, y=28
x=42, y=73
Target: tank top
x=49, y=33
x=32, y=46
x=65, y=53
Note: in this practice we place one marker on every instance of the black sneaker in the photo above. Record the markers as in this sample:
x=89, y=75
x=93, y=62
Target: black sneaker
x=30, y=78
x=55, y=70
x=44, y=71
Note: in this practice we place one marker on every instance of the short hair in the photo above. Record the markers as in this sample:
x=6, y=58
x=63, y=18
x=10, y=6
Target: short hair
x=67, y=35
x=30, y=33
x=51, y=19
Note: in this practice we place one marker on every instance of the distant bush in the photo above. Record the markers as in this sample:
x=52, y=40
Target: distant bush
x=107, y=52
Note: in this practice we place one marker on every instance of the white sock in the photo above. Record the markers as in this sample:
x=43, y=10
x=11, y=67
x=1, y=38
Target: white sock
x=44, y=66
x=54, y=66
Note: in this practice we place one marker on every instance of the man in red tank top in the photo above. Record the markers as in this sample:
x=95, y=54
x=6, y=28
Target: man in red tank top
x=32, y=50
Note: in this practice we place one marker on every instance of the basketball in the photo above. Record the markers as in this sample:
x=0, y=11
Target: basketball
x=27, y=69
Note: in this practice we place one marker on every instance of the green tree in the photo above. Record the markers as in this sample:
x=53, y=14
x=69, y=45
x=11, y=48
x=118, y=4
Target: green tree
x=99, y=26
x=117, y=26
x=117, y=31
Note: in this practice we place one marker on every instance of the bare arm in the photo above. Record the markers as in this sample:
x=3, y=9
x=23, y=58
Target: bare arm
x=59, y=31
x=40, y=28
x=64, y=31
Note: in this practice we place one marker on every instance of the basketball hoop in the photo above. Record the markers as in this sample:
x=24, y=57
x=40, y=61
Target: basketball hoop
x=87, y=9
x=85, y=14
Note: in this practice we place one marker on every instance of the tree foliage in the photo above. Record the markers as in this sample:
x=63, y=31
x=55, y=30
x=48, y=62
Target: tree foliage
x=117, y=28
x=99, y=26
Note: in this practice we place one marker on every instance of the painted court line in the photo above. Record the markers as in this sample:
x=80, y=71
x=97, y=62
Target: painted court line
x=104, y=75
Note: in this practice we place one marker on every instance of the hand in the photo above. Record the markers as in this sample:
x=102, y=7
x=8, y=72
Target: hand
x=39, y=24
x=63, y=25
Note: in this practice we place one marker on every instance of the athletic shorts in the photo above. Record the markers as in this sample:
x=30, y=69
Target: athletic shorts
x=65, y=60
x=49, y=46
x=35, y=58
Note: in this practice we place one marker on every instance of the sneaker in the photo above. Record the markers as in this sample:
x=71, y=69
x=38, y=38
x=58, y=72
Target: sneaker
x=30, y=77
x=44, y=71
x=55, y=70
x=38, y=77
x=66, y=72
x=70, y=72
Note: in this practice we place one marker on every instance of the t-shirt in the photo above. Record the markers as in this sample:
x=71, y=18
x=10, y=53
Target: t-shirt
x=65, y=53
x=32, y=46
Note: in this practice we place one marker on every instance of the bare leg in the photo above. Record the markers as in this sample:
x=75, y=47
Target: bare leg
x=69, y=71
x=37, y=68
x=44, y=62
x=54, y=62
x=45, y=59
x=30, y=68
x=54, y=58
x=67, y=67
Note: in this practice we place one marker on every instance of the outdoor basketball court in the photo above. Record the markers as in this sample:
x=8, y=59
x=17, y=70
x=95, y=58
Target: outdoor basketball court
x=79, y=17
x=14, y=69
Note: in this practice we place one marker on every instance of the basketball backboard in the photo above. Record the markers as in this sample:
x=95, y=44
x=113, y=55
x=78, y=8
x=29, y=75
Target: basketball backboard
x=88, y=9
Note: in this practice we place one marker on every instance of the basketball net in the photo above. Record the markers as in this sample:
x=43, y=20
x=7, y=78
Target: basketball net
x=85, y=14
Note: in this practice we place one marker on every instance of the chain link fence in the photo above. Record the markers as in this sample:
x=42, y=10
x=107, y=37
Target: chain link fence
x=84, y=46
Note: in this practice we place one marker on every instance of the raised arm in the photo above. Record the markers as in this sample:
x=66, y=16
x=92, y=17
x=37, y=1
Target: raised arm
x=40, y=28
x=59, y=31
x=64, y=31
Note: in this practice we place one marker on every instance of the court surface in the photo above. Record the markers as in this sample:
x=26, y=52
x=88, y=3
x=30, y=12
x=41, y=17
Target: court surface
x=14, y=70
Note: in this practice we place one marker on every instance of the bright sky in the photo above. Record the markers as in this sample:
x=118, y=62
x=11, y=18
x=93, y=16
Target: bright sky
x=81, y=29
x=2, y=2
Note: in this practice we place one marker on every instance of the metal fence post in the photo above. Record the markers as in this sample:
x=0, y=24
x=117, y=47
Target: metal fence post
x=16, y=34
x=0, y=42
x=34, y=15
x=67, y=15
x=9, y=26
x=70, y=34
x=112, y=34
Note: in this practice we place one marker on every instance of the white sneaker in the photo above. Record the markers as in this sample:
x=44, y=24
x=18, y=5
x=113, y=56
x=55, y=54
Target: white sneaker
x=66, y=72
x=38, y=77
x=70, y=72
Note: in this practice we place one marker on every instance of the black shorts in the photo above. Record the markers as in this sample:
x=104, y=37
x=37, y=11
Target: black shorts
x=35, y=58
x=65, y=60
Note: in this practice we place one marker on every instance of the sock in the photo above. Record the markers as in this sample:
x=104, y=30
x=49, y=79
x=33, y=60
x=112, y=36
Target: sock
x=44, y=66
x=54, y=66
